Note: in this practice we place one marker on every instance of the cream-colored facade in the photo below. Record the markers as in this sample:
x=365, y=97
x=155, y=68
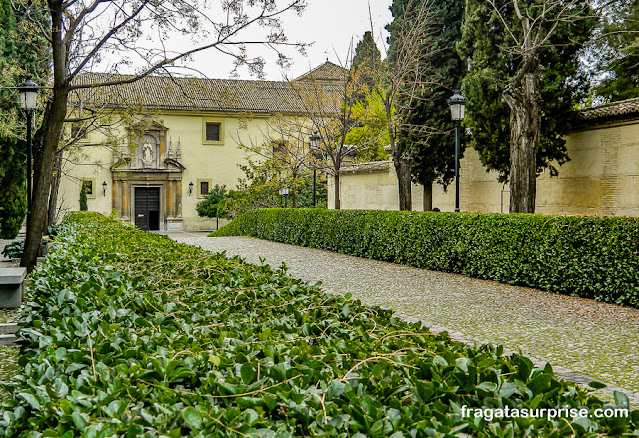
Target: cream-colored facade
x=182, y=138
x=182, y=168
x=602, y=177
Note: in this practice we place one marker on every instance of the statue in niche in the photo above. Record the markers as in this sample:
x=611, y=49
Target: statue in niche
x=147, y=153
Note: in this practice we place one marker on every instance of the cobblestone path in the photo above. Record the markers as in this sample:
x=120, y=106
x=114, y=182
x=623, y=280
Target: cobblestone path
x=582, y=339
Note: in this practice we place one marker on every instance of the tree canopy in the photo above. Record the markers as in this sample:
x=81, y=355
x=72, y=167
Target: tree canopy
x=619, y=51
x=21, y=56
x=533, y=63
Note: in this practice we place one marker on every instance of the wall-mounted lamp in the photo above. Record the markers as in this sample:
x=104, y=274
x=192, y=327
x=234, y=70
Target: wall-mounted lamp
x=190, y=187
x=104, y=186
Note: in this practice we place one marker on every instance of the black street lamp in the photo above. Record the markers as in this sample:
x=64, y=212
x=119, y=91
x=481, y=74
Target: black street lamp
x=457, y=104
x=284, y=192
x=28, y=101
x=315, y=142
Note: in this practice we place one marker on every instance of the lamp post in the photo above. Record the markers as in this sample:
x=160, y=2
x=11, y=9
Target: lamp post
x=315, y=141
x=28, y=100
x=457, y=104
x=284, y=193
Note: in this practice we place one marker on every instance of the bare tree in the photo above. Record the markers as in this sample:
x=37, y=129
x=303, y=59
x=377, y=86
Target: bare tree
x=84, y=33
x=334, y=112
x=284, y=147
x=400, y=77
x=531, y=28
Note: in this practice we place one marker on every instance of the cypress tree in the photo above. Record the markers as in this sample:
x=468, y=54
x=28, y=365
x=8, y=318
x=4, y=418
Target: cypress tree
x=426, y=130
x=23, y=54
x=12, y=152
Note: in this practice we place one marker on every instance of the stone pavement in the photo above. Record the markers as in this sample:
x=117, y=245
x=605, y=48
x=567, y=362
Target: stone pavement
x=582, y=339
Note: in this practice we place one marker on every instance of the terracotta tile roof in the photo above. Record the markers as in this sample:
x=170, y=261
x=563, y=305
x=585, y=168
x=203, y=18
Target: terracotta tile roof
x=325, y=72
x=371, y=166
x=617, y=110
x=170, y=93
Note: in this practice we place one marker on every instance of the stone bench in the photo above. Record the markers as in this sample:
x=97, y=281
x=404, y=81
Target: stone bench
x=11, y=287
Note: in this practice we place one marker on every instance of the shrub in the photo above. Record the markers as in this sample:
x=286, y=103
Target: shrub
x=83, y=198
x=131, y=334
x=14, y=250
x=590, y=257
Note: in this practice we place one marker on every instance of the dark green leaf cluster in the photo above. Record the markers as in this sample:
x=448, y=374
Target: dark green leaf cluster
x=83, y=198
x=590, y=257
x=131, y=334
x=213, y=204
x=14, y=250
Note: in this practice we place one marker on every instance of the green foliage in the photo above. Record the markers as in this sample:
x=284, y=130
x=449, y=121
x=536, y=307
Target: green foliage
x=14, y=250
x=13, y=195
x=128, y=333
x=83, y=198
x=590, y=257
x=213, y=204
x=371, y=134
x=17, y=61
x=366, y=63
x=620, y=52
x=432, y=145
x=491, y=67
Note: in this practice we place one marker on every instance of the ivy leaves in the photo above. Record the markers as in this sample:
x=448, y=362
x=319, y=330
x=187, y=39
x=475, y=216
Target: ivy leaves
x=131, y=334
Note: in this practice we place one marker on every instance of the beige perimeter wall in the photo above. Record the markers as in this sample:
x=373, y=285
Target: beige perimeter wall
x=602, y=178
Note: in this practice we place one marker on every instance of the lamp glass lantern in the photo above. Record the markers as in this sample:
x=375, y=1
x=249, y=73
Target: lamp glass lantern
x=190, y=187
x=315, y=140
x=104, y=187
x=457, y=104
x=28, y=95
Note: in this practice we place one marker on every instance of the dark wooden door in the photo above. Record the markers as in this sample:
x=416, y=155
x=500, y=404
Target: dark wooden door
x=147, y=208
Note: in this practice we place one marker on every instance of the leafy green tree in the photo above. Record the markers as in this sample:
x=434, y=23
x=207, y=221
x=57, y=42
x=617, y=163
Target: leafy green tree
x=22, y=55
x=370, y=135
x=77, y=44
x=523, y=59
x=620, y=51
x=426, y=129
x=213, y=204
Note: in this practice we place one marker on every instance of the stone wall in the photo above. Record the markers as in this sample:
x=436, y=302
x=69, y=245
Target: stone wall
x=602, y=178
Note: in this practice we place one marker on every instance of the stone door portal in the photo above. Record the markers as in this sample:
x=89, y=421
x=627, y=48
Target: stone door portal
x=147, y=208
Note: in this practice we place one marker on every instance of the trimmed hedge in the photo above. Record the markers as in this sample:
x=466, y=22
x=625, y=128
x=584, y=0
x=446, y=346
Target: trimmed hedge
x=590, y=257
x=130, y=334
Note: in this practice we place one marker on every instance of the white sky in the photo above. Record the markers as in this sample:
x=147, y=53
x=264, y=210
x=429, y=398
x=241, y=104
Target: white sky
x=329, y=24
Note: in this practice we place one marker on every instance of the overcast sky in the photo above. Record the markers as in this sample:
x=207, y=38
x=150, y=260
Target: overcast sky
x=329, y=24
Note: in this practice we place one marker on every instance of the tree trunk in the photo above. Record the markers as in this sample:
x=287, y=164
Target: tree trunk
x=524, y=100
x=55, y=187
x=46, y=140
x=338, y=204
x=403, y=168
x=427, y=199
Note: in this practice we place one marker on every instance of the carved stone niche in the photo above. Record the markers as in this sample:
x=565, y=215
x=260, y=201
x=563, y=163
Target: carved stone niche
x=149, y=147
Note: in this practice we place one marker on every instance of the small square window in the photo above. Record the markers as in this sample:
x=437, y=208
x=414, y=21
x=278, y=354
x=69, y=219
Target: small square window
x=78, y=131
x=204, y=188
x=88, y=187
x=212, y=131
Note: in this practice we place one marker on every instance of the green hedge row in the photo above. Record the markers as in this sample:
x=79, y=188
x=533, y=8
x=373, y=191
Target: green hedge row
x=590, y=257
x=129, y=334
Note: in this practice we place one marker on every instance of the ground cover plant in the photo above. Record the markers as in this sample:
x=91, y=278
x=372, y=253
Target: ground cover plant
x=590, y=257
x=131, y=334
